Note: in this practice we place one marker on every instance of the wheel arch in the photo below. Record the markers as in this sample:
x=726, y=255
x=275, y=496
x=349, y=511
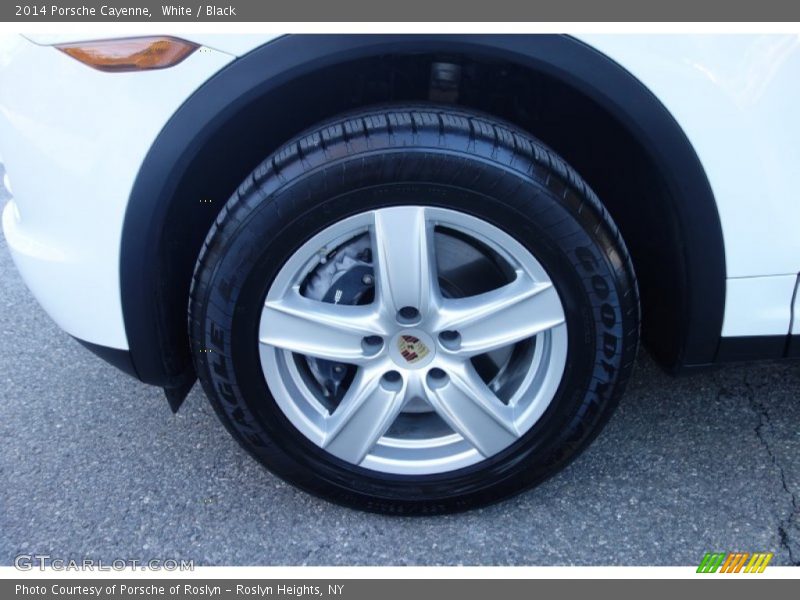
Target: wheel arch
x=187, y=175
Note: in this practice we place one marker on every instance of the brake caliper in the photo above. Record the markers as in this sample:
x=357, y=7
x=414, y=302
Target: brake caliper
x=344, y=276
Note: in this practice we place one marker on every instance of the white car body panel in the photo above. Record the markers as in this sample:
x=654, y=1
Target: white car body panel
x=758, y=302
x=73, y=139
x=736, y=97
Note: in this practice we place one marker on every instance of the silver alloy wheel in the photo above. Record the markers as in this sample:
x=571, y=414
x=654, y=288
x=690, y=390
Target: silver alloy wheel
x=412, y=343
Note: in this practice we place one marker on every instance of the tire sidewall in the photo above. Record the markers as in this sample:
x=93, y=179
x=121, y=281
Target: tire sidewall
x=542, y=217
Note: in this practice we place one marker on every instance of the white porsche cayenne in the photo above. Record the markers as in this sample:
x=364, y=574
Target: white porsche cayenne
x=411, y=272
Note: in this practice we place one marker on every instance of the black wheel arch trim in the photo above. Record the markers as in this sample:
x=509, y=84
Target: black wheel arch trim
x=153, y=334
x=758, y=347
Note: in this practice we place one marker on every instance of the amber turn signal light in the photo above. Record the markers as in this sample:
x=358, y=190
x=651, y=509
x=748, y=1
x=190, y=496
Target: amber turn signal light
x=130, y=54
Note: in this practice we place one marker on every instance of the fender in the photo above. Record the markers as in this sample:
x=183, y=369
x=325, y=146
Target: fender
x=155, y=308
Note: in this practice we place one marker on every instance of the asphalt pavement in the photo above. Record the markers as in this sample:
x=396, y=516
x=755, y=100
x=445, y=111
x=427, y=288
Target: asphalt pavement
x=94, y=465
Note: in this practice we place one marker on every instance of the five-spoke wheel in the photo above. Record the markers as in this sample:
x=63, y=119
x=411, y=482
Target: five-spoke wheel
x=417, y=339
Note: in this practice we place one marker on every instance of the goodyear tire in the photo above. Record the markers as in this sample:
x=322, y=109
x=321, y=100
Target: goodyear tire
x=414, y=310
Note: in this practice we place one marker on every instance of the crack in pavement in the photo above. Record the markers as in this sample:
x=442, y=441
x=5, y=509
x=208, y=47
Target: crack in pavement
x=765, y=425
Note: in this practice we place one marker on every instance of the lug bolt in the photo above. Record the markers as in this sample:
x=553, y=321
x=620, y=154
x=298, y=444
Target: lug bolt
x=392, y=380
x=372, y=344
x=408, y=315
x=437, y=378
x=450, y=339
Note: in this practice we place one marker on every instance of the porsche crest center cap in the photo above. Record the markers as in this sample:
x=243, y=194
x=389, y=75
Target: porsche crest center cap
x=412, y=349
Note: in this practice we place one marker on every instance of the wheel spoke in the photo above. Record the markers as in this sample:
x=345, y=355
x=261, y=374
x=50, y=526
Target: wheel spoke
x=465, y=402
x=404, y=258
x=318, y=329
x=367, y=410
x=506, y=315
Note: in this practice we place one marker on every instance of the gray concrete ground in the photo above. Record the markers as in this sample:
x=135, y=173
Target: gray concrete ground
x=93, y=464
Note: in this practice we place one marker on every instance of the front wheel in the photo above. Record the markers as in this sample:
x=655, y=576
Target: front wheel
x=414, y=310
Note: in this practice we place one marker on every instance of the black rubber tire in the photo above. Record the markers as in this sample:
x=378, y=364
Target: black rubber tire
x=455, y=159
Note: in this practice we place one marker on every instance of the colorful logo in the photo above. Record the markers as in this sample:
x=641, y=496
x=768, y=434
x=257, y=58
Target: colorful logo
x=734, y=562
x=412, y=348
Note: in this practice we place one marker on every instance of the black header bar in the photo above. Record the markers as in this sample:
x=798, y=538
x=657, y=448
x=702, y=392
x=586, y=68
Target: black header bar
x=463, y=11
